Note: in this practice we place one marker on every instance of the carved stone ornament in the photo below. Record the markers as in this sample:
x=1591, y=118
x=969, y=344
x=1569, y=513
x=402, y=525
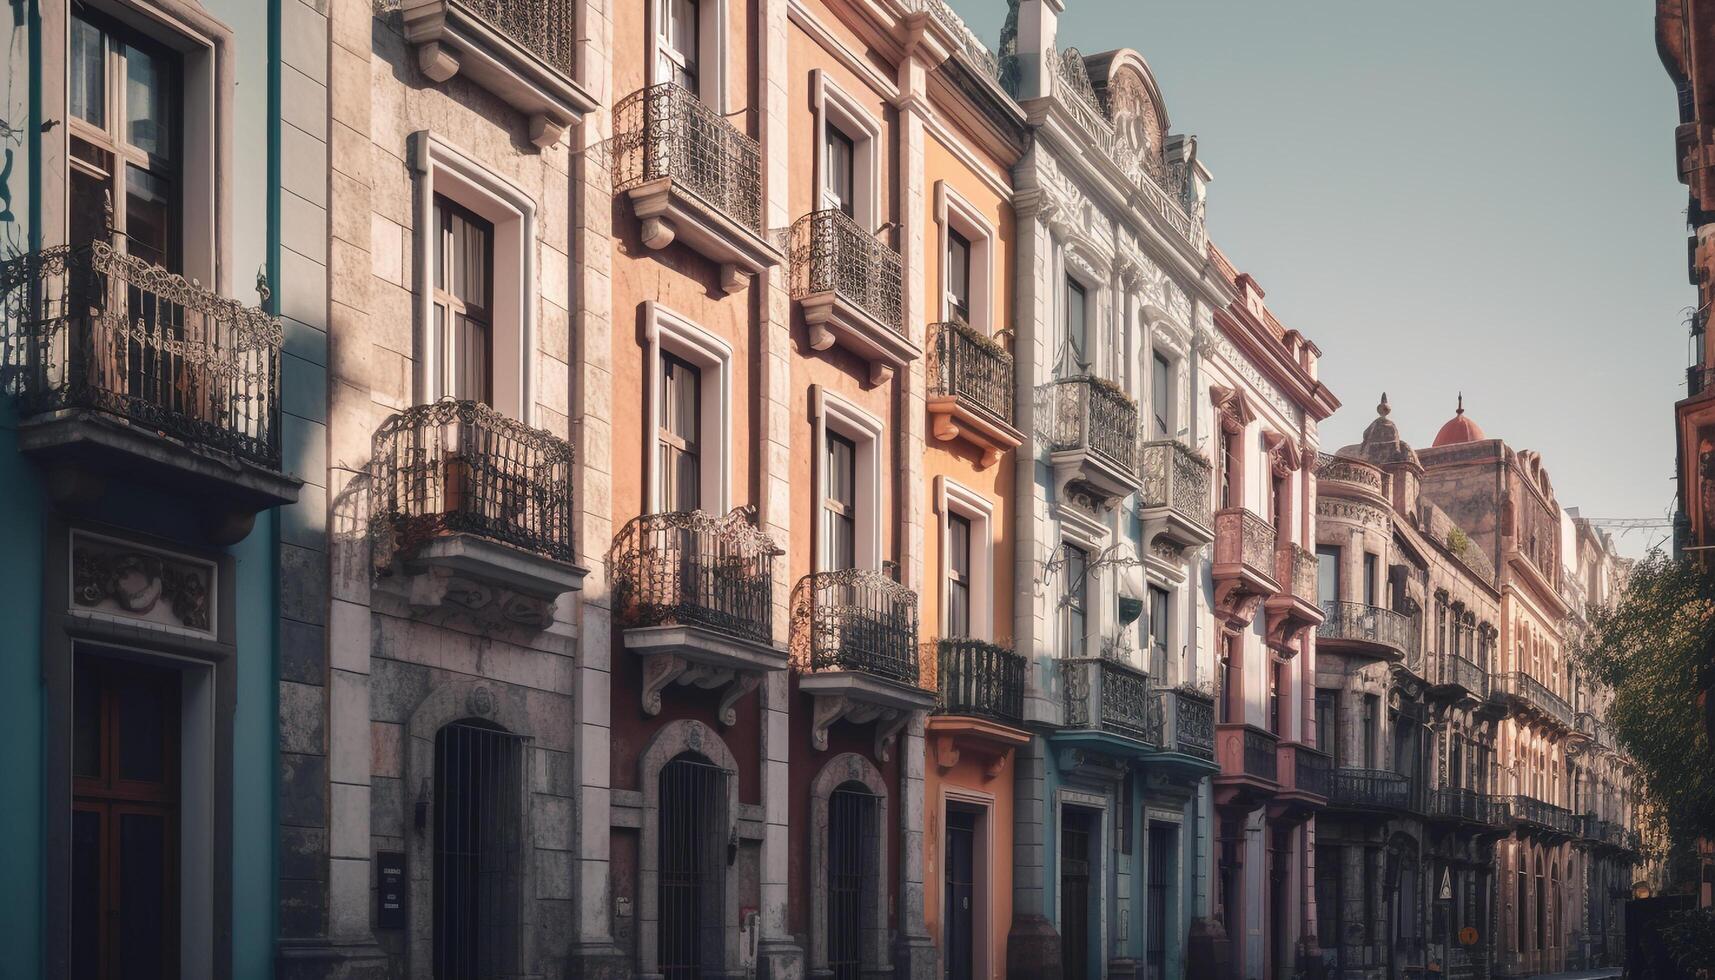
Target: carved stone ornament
x=480, y=702
x=437, y=587
x=829, y=708
x=662, y=669
x=141, y=585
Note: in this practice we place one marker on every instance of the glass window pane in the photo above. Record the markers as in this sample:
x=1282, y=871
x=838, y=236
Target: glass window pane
x=86, y=917
x=470, y=360
x=142, y=896
x=1161, y=395
x=149, y=230
x=88, y=71
x=959, y=274
x=86, y=726
x=1076, y=324
x=143, y=715
x=839, y=171
x=149, y=99
x=1327, y=573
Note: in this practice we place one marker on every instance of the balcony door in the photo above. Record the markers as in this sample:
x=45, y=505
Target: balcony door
x=1075, y=359
x=678, y=445
x=958, y=575
x=839, y=171
x=463, y=302
x=1161, y=396
x=839, y=507
x=958, y=276
x=1327, y=573
x=676, y=42
x=959, y=929
x=1077, y=864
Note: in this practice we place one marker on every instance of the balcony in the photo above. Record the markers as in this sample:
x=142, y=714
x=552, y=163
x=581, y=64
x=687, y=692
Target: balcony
x=1305, y=776
x=694, y=595
x=471, y=502
x=519, y=50
x=1093, y=446
x=1459, y=679
x=1250, y=767
x=1368, y=790
x=692, y=177
x=848, y=286
x=1244, y=566
x=1470, y=808
x=1183, y=722
x=854, y=643
x=125, y=369
x=1543, y=819
x=1175, y=504
x=981, y=702
x=1584, y=726
x=1358, y=627
x=1293, y=609
x=1107, y=695
x=1532, y=700
x=971, y=391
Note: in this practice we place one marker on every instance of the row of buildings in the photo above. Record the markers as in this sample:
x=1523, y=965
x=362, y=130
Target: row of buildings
x=964, y=594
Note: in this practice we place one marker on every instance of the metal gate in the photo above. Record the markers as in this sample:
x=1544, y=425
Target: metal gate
x=853, y=876
x=1074, y=894
x=477, y=867
x=694, y=825
x=959, y=926
x=1161, y=839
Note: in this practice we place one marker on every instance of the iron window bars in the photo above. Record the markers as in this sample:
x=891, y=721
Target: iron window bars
x=665, y=131
x=856, y=619
x=455, y=467
x=477, y=865
x=972, y=367
x=693, y=865
x=830, y=253
x=92, y=328
x=696, y=569
x=854, y=878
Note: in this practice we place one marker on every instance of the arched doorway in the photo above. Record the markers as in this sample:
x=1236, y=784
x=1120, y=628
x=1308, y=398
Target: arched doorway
x=477, y=862
x=693, y=860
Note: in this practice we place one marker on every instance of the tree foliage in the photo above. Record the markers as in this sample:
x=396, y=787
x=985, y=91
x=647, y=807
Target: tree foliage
x=1653, y=648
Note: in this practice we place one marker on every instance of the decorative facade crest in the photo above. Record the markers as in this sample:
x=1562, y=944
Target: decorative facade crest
x=140, y=584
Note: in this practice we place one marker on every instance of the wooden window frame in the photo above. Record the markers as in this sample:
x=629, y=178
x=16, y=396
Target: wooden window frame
x=451, y=307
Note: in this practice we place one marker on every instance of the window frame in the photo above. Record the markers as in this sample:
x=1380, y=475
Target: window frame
x=836, y=108
x=955, y=215
x=831, y=413
x=669, y=333
x=953, y=499
x=711, y=59
x=448, y=306
x=1162, y=393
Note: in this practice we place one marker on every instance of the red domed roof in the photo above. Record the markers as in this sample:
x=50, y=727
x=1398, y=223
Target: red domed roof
x=1459, y=428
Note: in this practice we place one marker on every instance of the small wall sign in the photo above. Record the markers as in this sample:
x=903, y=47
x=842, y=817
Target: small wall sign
x=390, y=890
x=1468, y=936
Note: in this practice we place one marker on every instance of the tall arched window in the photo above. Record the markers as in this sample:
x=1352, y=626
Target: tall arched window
x=854, y=837
x=1554, y=906
x=1541, y=909
x=478, y=867
x=692, y=882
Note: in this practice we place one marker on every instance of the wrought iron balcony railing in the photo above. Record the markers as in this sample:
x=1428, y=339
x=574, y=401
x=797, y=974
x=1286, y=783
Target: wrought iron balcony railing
x=1363, y=623
x=665, y=131
x=1183, y=720
x=459, y=467
x=1529, y=810
x=545, y=28
x=94, y=329
x=1093, y=414
x=1177, y=477
x=1248, y=751
x=831, y=254
x=1107, y=694
x=1369, y=789
x=1468, y=806
x=696, y=569
x=1298, y=568
x=856, y=620
x=1533, y=693
x=974, y=368
x=1312, y=770
x=979, y=678
x=1243, y=538
x=1460, y=672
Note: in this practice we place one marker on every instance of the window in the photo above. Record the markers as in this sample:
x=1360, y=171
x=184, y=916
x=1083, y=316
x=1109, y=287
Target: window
x=1328, y=896
x=1159, y=632
x=464, y=318
x=1232, y=495
x=1519, y=902
x=1328, y=722
x=1372, y=579
x=958, y=575
x=1328, y=573
x=1077, y=326
x=958, y=276
x=1371, y=718
x=1232, y=698
x=1276, y=691
x=126, y=148
x=1075, y=601
x=676, y=42
x=1279, y=507
x=1161, y=395
x=680, y=469
x=839, y=171
x=839, y=506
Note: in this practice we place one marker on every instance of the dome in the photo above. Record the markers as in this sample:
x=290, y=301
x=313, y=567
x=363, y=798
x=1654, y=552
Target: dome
x=1459, y=428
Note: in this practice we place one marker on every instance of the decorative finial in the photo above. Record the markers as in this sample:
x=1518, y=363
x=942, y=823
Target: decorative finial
x=1461, y=409
x=262, y=289
x=1383, y=409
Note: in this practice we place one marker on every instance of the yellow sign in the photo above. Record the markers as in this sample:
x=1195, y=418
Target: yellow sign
x=1468, y=936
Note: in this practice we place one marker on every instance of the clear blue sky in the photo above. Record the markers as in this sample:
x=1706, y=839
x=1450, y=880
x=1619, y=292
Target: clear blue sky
x=1464, y=194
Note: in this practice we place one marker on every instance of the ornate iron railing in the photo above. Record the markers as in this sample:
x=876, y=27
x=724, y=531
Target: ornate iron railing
x=1092, y=413
x=1107, y=694
x=666, y=131
x=1245, y=750
x=975, y=677
x=974, y=368
x=831, y=254
x=1369, y=788
x=1182, y=720
x=1260, y=756
x=855, y=619
x=1523, y=687
x=92, y=328
x=1312, y=770
x=1463, y=673
x=1244, y=538
x=1177, y=477
x=1527, y=809
x=547, y=29
x=1365, y=623
x=696, y=569
x=1469, y=805
x=1298, y=571
x=460, y=467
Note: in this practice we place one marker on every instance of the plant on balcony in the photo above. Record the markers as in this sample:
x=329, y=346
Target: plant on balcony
x=1654, y=648
x=1457, y=541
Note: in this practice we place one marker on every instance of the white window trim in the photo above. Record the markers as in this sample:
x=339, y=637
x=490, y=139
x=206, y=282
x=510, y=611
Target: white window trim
x=1078, y=262
x=836, y=107
x=1091, y=536
x=865, y=431
x=954, y=213
x=446, y=170
x=953, y=498
x=666, y=330
x=711, y=51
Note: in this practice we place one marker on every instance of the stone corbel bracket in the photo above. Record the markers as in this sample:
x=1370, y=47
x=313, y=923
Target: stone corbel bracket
x=860, y=699
x=691, y=656
x=663, y=669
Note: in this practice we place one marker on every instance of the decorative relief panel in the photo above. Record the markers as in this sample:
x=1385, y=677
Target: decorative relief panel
x=1210, y=342
x=132, y=582
x=1353, y=512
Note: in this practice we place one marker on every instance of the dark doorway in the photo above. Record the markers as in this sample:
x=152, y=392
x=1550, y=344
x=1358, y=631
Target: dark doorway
x=477, y=867
x=1163, y=845
x=125, y=820
x=693, y=867
x=1280, y=859
x=960, y=919
x=1076, y=831
x=853, y=876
